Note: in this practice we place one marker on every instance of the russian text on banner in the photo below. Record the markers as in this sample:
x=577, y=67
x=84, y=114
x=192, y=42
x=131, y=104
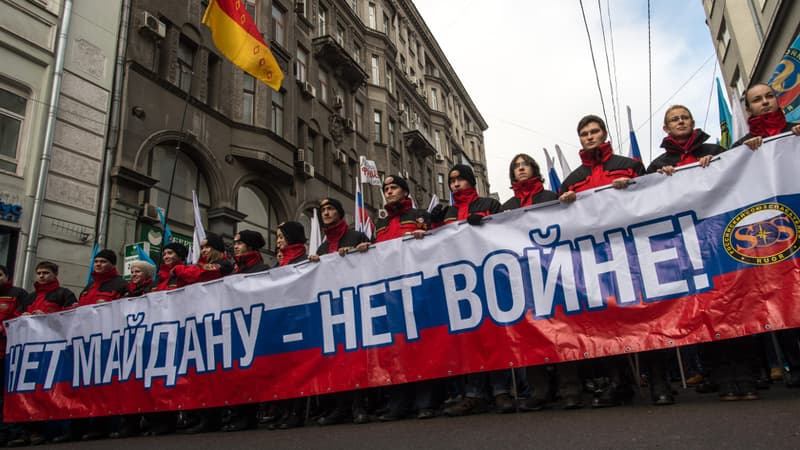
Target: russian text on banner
x=706, y=254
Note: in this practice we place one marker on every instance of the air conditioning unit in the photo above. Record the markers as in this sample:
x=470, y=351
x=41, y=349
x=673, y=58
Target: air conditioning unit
x=151, y=24
x=308, y=170
x=150, y=212
x=349, y=125
x=301, y=154
x=338, y=102
x=439, y=157
x=309, y=90
x=341, y=157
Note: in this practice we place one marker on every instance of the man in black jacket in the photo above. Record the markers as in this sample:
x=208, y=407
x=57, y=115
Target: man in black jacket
x=338, y=236
x=766, y=116
x=684, y=144
x=466, y=202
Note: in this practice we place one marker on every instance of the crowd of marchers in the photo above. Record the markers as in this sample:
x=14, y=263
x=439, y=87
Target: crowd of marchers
x=734, y=368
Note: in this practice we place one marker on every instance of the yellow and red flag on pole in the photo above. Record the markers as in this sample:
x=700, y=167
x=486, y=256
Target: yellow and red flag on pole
x=237, y=37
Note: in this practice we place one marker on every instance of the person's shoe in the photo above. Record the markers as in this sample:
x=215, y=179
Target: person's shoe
x=92, y=436
x=293, y=420
x=468, y=405
x=792, y=378
x=503, y=404
x=747, y=390
x=694, y=380
x=66, y=437
x=21, y=441
x=606, y=397
x=706, y=387
x=391, y=416
x=197, y=424
x=336, y=416
x=240, y=423
x=425, y=413
x=573, y=402
x=664, y=398
x=776, y=374
x=728, y=392
x=532, y=404
x=360, y=417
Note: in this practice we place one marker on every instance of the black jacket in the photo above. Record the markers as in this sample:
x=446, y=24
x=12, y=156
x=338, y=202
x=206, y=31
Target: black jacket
x=672, y=156
x=747, y=136
x=351, y=238
x=483, y=206
x=61, y=297
x=541, y=197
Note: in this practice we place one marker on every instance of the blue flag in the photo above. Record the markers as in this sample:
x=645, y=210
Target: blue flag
x=167, y=238
x=786, y=82
x=91, y=264
x=143, y=256
x=635, y=152
x=725, y=121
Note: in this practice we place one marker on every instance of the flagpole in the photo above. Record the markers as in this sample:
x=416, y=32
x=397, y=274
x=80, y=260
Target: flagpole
x=178, y=145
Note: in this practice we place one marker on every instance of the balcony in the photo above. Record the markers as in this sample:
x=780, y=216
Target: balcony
x=344, y=67
x=418, y=141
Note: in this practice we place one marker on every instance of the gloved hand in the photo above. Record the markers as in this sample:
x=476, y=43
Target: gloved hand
x=437, y=215
x=474, y=219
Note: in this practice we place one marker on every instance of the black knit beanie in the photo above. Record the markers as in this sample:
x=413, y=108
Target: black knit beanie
x=293, y=232
x=464, y=172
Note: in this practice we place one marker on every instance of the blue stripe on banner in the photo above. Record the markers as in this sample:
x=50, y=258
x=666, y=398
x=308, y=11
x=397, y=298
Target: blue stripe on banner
x=688, y=254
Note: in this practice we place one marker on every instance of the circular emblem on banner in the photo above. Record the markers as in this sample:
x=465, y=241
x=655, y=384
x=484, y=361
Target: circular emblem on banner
x=762, y=234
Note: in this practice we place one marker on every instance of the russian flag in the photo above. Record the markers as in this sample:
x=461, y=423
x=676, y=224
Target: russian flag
x=363, y=221
x=634, y=153
x=555, y=183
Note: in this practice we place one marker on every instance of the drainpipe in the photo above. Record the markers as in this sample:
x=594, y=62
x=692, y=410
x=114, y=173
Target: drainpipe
x=47, y=148
x=115, y=115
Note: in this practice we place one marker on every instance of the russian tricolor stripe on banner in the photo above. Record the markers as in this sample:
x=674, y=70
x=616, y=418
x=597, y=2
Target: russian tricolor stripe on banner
x=702, y=255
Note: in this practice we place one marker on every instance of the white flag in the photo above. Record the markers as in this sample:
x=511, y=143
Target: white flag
x=315, y=237
x=369, y=172
x=199, y=234
x=433, y=203
x=565, y=170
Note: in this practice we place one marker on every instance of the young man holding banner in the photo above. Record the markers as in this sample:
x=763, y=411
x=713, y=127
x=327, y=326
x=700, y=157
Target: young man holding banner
x=339, y=237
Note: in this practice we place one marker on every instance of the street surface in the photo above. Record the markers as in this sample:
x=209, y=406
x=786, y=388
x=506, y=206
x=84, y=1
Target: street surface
x=695, y=421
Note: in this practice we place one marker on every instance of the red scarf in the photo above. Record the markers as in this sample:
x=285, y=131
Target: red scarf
x=140, y=286
x=462, y=199
x=247, y=260
x=6, y=286
x=393, y=228
x=525, y=190
x=99, y=278
x=334, y=233
x=398, y=207
x=768, y=124
x=598, y=155
x=290, y=252
x=684, y=150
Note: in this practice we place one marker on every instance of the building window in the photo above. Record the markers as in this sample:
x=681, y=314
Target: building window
x=340, y=34
x=277, y=113
x=359, y=119
x=373, y=19
x=386, y=24
x=323, y=86
x=724, y=37
x=403, y=66
x=376, y=73
x=391, y=126
x=12, y=116
x=357, y=53
x=437, y=141
x=278, y=25
x=261, y=214
x=434, y=100
x=322, y=21
x=212, y=80
x=250, y=5
x=738, y=85
x=378, y=129
x=248, y=99
x=440, y=184
x=186, y=52
x=301, y=7
x=389, y=82
x=187, y=178
x=302, y=65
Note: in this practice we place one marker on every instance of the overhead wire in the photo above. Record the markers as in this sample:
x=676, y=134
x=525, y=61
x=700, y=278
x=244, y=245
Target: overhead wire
x=608, y=70
x=613, y=55
x=594, y=62
x=710, y=93
x=650, y=78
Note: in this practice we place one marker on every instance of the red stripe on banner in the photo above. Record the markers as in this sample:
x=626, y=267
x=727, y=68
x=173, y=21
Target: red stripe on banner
x=750, y=301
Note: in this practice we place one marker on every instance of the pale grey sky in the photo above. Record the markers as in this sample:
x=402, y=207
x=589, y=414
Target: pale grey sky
x=528, y=69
